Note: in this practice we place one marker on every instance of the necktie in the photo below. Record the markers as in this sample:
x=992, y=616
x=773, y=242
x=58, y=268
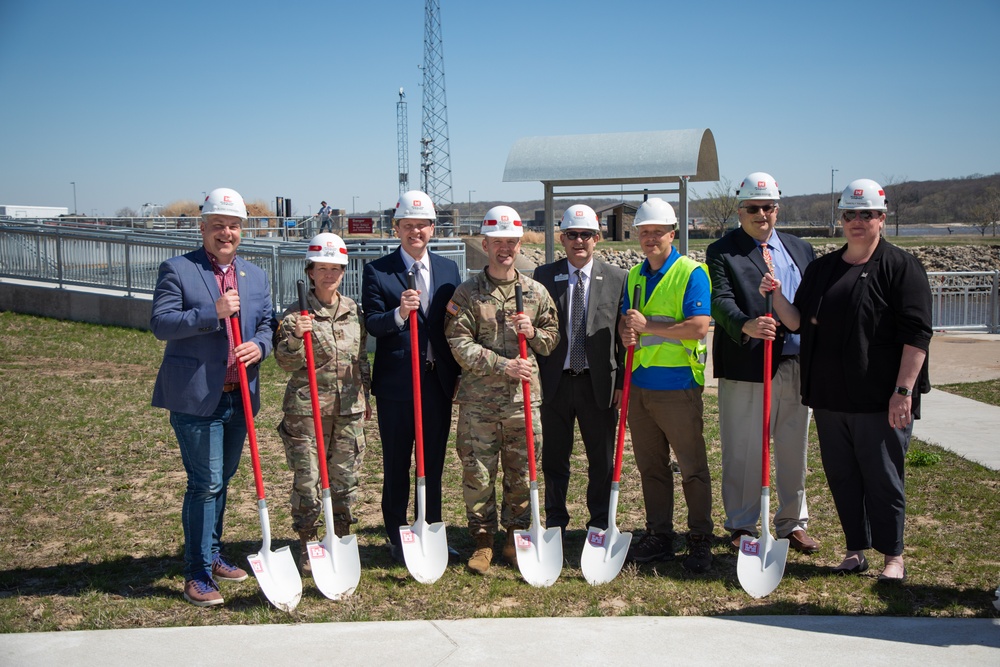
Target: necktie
x=767, y=258
x=577, y=353
x=425, y=298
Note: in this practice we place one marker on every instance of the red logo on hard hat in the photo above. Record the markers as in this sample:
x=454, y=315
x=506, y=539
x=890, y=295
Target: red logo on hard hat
x=881, y=193
x=579, y=214
x=226, y=199
x=761, y=184
x=504, y=218
x=315, y=248
x=489, y=222
x=416, y=203
x=517, y=223
x=343, y=251
x=859, y=192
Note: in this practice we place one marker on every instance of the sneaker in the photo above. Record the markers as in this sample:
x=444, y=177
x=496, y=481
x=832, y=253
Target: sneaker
x=202, y=592
x=699, y=558
x=223, y=570
x=652, y=547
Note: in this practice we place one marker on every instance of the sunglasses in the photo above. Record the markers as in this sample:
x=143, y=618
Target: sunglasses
x=864, y=215
x=586, y=236
x=754, y=209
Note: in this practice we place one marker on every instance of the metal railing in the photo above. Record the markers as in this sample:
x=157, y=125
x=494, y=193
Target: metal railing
x=129, y=260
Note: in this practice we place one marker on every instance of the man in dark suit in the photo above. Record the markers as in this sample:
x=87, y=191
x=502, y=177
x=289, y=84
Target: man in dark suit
x=198, y=381
x=737, y=262
x=582, y=378
x=387, y=303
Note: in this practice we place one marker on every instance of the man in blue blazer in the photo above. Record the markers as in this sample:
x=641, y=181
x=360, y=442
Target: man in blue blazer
x=198, y=381
x=387, y=303
x=736, y=263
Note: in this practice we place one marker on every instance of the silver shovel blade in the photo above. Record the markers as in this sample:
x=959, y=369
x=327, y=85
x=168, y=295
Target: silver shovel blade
x=425, y=550
x=539, y=555
x=604, y=554
x=278, y=577
x=336, y=565
x=760, y=564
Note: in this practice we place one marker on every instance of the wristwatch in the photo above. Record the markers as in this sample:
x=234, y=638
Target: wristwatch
x=903, y=391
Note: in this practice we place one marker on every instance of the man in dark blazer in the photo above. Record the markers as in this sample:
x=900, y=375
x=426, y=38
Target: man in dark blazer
x=736, y=263
x=198, y=381
x=387, y=303
x=582, y=377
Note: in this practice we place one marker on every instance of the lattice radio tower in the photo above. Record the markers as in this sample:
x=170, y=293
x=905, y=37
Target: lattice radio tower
x=435, y=156
x=402, y=142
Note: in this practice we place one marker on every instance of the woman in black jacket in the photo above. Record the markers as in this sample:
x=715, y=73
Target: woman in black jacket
x=864, y=313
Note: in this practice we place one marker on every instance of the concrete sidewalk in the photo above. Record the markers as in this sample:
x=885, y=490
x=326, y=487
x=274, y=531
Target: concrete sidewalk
x=553, y=642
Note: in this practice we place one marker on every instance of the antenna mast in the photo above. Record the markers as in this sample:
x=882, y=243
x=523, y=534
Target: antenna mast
x=435, y=158
x=402, y=141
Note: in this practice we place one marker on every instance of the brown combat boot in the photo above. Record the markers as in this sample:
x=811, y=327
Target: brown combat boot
x=509, y=550
x=483, y=555
x=305, y=537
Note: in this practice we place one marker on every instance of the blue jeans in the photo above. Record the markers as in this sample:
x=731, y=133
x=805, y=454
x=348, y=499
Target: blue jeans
x=210, y=448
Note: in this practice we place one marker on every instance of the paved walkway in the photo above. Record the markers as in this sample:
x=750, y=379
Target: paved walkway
x=966, y=427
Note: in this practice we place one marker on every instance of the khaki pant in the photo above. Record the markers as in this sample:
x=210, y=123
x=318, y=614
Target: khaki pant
x=660, y=420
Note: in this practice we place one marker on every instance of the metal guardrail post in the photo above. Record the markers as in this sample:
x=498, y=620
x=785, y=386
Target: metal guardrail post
x=995, y=300
x=128, y=266
x=59, y=258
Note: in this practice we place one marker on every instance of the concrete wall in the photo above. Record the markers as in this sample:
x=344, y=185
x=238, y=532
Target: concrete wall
x=73, y=305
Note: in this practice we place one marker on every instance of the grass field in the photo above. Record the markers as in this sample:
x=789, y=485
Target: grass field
x=90, y=533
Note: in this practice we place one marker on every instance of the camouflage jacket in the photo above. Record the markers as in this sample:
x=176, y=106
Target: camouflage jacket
x=343, y=375
x=482, y=339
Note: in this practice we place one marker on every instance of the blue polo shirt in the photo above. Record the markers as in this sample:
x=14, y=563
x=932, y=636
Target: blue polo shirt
x=697, y=301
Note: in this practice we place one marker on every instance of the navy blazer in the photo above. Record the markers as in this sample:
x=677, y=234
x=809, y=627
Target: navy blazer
x=383, y=282
x=193, y=371
x=737, y=267
x=605, y=352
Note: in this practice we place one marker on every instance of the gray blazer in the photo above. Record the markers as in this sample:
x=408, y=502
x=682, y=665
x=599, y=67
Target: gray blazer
x=193, y=371
x=605, y=352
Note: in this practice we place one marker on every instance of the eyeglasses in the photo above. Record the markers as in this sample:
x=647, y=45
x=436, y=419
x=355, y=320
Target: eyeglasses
x=754, y=209
x=864, y=215
x=586, y=236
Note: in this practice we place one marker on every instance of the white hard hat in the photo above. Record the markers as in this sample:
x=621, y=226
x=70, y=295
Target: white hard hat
x=865, y=194
x=224, y=201
x=579, y=216
x=655, y=211
x=502, y=221
x=326, y=248
x=758, y=185
x=414, y=204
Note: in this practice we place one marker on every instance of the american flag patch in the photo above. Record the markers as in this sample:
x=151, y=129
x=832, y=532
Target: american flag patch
x=452, y=308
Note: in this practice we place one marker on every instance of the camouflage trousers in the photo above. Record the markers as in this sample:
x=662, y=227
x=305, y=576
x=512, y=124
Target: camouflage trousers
x=486, y=439
x=344, y=441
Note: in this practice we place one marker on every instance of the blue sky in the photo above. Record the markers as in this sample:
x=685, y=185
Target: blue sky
x=159, y=101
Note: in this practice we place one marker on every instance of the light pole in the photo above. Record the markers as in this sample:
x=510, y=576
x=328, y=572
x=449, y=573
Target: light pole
x=833, y=206
x=354, y=209
x=73, y=183
x=470, y=202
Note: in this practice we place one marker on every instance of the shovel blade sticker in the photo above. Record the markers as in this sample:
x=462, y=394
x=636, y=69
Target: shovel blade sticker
x=407, y=536
x=522, y=541
x=596, y=539
x=316, y=551
x=257, y=565
x=750, y=548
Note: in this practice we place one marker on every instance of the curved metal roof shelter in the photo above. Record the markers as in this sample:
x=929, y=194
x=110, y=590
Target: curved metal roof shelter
x=663, y=161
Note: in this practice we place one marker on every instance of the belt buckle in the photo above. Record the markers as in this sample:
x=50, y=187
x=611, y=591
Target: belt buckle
x=429, y=365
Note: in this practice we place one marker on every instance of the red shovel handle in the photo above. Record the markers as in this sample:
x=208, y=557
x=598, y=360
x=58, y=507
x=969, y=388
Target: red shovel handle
x=626, y=390
x=766, y=440
x=522, y=343
x=418, y=419
x=313, y=387
x=234, y=327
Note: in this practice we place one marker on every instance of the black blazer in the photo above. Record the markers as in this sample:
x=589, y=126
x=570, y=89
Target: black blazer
x=383, y=282
x=605, y=352
x=737, y=267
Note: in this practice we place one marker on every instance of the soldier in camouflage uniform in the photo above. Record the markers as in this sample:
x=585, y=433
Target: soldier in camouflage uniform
x=482, y=327
x=343, y=378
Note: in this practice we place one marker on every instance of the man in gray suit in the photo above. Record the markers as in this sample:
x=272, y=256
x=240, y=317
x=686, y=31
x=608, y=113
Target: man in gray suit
x=198, y=381
x=737, y=262
x=582, y=378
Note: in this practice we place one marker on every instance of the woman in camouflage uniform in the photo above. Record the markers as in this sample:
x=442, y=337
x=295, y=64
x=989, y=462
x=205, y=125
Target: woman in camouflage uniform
x=343, y=378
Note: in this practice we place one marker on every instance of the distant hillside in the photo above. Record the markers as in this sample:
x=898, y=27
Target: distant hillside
x=947, y=201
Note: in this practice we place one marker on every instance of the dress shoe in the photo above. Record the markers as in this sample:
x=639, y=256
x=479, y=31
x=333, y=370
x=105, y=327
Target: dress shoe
x=798, y=540
x=892, y=580
x=898, y=568
x=862, y=566
x=396, y=552
x=734, y=537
